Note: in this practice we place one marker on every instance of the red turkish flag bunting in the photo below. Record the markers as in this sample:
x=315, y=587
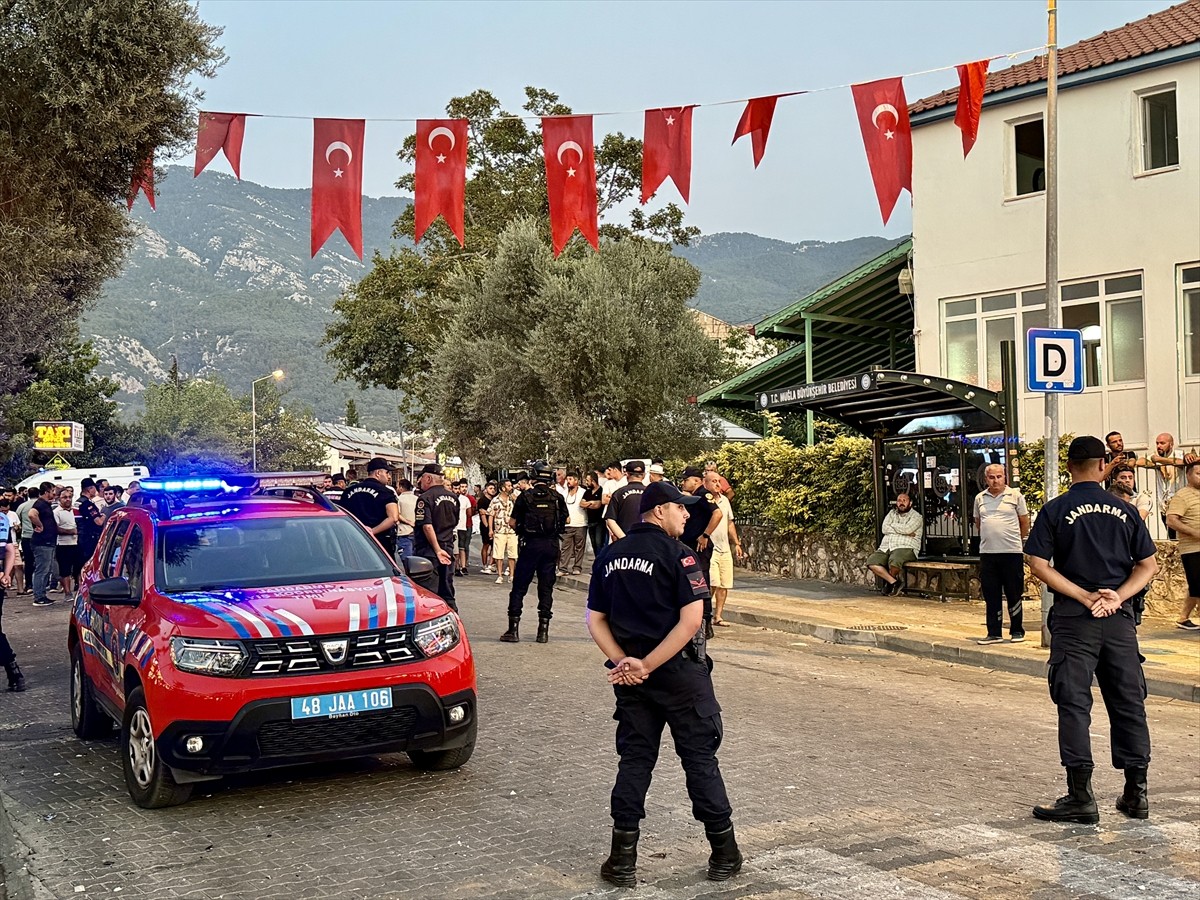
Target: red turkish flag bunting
x=887, y=136
x=143, y=180
x=220, y=131
x=440, y=185
x=337, y=181
x=570, y=179
x=667, y=150
x=972, y=77
x=756, y=122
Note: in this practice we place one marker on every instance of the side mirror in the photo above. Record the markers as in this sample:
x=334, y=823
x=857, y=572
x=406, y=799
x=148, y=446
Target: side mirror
x=422, y=571
x=113, y=592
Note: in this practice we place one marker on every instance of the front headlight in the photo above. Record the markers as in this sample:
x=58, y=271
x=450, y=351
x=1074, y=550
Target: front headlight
x=438, y=636
x=207, y=656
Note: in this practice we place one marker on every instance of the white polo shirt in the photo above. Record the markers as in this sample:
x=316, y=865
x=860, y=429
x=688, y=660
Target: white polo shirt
x=999, y=522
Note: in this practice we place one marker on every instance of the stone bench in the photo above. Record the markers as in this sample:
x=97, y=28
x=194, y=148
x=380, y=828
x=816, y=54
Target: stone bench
x=941, y=579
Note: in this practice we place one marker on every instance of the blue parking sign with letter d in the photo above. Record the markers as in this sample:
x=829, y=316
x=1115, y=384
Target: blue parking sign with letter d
x=1054, y=360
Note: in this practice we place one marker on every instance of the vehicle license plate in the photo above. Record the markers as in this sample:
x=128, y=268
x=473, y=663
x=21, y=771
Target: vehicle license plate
x=347, y=703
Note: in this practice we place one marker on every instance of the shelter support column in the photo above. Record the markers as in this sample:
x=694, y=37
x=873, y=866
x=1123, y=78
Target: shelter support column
x=808, y=374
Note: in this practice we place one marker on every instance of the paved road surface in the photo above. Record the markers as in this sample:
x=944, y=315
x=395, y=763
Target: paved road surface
x=854, y=773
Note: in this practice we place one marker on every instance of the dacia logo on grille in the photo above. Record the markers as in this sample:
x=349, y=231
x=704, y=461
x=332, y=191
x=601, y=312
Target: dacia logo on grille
x=335, y=651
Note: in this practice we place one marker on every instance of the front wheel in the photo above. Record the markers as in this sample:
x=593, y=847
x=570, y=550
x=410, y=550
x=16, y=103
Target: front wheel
x=440, y=760
x=88, y=720
x=148, y=779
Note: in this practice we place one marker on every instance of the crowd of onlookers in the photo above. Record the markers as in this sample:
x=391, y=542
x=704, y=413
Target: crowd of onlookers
x=57, y=531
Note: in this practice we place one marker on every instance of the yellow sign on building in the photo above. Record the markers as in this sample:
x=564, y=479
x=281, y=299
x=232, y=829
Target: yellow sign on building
x=58, y=462
x=65, y=436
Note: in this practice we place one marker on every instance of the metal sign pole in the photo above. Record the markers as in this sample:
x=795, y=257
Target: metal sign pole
x=1053, y=318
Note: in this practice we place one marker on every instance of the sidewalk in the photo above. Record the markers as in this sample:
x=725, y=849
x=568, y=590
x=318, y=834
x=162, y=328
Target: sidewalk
x=847, y=614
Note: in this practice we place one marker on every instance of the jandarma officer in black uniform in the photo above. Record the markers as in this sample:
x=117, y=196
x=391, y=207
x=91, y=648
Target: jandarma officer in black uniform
x=539, y=517
x=645, y=611
x=1103, y=557
x=373, y=502
x=434, y=523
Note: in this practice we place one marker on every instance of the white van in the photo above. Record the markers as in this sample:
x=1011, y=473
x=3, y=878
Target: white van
x=121, y=475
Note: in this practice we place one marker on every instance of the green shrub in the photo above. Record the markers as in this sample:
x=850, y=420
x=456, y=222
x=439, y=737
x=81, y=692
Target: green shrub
x=1031, y=466
x=823, y=489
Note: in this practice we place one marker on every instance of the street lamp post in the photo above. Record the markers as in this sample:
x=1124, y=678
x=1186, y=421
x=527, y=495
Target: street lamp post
x=277, y=375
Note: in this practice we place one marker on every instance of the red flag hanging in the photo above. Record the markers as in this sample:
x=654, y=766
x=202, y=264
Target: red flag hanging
x=220, y=131
x=756, y=122
x=441, y=179
x=667, y=150
x=887, y=136
x=143, y=180
x=570, y=178
x=972, y=77
x=337, y=181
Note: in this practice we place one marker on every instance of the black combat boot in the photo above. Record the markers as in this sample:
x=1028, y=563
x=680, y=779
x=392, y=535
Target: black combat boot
x=16, y=681
x=708, y=628
x=543, y=634
x=1077, y=806
x=621, y=866
x=1135, y=802
x=726, y=859
x=513, y=635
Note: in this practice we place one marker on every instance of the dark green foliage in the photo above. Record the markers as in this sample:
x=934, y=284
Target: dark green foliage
x=1031, y=470
x=823, y=489
x=591, y=356
x=87, y=91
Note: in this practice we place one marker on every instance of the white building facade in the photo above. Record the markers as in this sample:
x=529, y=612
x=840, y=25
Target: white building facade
x=1129, y=230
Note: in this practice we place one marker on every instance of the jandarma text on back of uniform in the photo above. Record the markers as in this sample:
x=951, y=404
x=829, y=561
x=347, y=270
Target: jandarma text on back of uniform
x=629, y=562
x=1096, y=508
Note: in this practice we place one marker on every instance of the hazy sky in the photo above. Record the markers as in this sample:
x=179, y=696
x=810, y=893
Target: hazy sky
x=405, y=60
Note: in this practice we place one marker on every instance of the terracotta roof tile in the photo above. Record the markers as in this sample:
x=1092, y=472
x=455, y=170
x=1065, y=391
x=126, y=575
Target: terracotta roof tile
x=1164, y=30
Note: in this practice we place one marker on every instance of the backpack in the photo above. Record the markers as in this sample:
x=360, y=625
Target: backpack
x=541, y=517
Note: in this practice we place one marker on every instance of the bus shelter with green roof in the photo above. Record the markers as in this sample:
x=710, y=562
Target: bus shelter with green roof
x=933, y=437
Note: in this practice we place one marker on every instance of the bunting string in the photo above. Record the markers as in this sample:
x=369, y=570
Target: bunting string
x=1016, y=54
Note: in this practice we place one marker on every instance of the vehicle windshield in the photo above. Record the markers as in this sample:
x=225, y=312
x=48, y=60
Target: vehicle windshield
x=266, y=552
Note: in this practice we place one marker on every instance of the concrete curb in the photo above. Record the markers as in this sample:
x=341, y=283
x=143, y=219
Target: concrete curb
x=927, y=647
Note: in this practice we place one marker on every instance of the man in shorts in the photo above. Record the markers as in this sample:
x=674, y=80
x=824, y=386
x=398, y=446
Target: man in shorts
x=725, y=546
x=901, y=542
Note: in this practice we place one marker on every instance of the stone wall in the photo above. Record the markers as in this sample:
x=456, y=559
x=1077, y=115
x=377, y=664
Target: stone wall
x=840, y=560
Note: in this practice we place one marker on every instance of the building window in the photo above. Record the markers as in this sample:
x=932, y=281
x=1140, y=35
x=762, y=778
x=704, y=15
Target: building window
x=1191, y=320
x=1160, y=131
x=1107, y=311
x=1029, y=159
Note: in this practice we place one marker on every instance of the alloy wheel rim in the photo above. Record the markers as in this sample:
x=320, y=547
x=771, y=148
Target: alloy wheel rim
x=141, y=748
x=76, y=692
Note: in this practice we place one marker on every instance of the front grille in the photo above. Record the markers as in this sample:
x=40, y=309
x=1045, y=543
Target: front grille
x=318, y=735
x=305, y=655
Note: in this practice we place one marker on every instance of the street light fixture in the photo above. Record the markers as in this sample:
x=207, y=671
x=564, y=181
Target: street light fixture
x=277, y=375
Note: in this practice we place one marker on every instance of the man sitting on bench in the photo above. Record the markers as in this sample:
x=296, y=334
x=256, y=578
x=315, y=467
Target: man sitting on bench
x=901, y=543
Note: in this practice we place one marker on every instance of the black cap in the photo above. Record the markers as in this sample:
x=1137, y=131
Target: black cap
x=691, y=472
x=664, y=492
x=1086, y=447
x=636, y=466
x=378, y=463
x=432, y=469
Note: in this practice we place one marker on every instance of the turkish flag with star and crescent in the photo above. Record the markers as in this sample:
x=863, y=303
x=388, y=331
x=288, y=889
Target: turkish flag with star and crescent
x=887, y=136
x=337, y=181
x=667, y=150
x=570, y=179
x=220, y=131
x=440, y=184
x=972, y=79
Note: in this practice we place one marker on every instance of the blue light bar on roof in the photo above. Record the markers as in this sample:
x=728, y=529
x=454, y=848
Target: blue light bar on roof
x=188, y=485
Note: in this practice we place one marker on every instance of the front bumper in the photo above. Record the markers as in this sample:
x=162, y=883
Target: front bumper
x=263, y=734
